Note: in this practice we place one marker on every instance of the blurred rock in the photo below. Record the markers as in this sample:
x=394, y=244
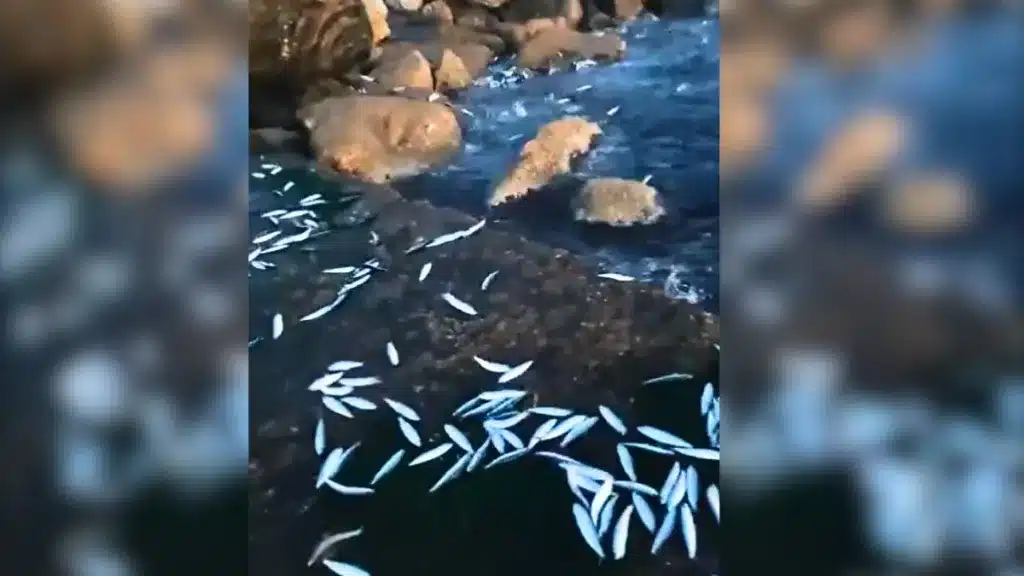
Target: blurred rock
x=438, y=11
x=379, y=138
x=405, y=5
x=452, y=74
x=524, y=10
x=617, y=202
x=678, y=8
x=518, y=33
x=742, y=132
x=621, y=9
x=548, y=155
x=930, y=205
x=410, y=70
x=556, y=45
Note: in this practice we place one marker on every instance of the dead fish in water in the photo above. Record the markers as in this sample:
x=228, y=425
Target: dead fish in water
x=647, y=178
x=409, y=431
x=579, y=430
x=459, y=305
x=670, y=482
x=329, y=541
x=388, y=466
x=432, y=454
x=478, y=456
x=663, y=437
x=612, y=419
x=600, y=499
x=343, y=569
x=637, y=487
x=613, y=111
x=515, y=372
x=392, y=354
x=338, y=392
x=331, y=465
x=457, y=235
x=266, y=236
x=615, y=276
x=319, y=438
x=339, y=270
x=335, y=405
x=452, y=473
x=506, y=422
x=606, y=516
x=667, y=524
x=359, y=382
x=359, y=403
x=344, y=365
x=425, y=271
x=706, y=398
x=689, y=532
x=644, y=511
x=278, y=326
x=324, y=381
x=349, y=490
x=495, y=367
x=402, y=410
x=673, y=377
x=621, y=533
x=487, y=281
x=516, y=454
x=458, y=437
x=713, y=502
x=551, y=411
x=692, y=487
x=587, y=529
x=649, y=448
x=626, y=461
x=324, y=310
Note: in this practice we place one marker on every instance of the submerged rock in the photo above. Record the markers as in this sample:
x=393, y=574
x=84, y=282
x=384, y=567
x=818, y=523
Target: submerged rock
x=548, y=155
x=617, y=202
x=380, y=138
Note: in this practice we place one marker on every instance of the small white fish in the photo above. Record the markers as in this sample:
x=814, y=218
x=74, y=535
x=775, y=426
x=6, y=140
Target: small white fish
x=344, y=365
x=613, y=111
x=664, y=531
x=606, y=516
x=324, y=381
x=478, y=456
x=338, y=391
x=487, y=281
x=329, y=541
x=266, y=236
x=409, y=431
x=458, y=437
x=678, y=492
x=621, y=533
x=320, y=438
x=647, y=178
x=495, y=367
x=601, y=498
x=359, y=403
x=518, y=453
x=637, y=487
x=506, y=422
x=587, y=529
x=349, y=490
x=692, y=487
x=689, y=532
x=425, y=271
x=713, y=502
x=670, y=482
x=331, y=465
x=432, y=454
x=613, y=420
x=459, y=305
x=643, y=509
x=335, y=405
x=288, y=186
x=339, y=270
x=452, y=473
x=515, y=372
x=388, y=466
x=626, y=461
x=705, y=399
x=579, y=430
x=551, y=411
x=278, y=326
x=584, y=88
x=343, y=569
x=616, y=276
x=392, y=354
x=359, y=382
x=649, y=448
x=673, y=377
x=402, y=410
x=663, y=437
x=322, y=311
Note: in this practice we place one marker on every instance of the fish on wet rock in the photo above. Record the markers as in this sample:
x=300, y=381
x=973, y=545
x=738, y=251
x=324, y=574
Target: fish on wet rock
x=548, y=155
x=380, y=138
x=617, y=202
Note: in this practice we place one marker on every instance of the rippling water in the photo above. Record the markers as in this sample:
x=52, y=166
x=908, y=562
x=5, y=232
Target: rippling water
x=659, y=112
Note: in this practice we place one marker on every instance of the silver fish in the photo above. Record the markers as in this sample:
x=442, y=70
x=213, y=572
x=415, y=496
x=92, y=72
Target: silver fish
x=452, y=473
x=478, y=456
x=402, y=410
x=678, y=492
x=670, y=482
x=589, y=472
x=692, y=487
x=673, y=377
x=331, y=465
x=552, y=411
x=320, y=438
x=487, y=281
x=425, y=271
x=618, y=277
x=324, y=381
x=626, y=460
x=329, y=541
x=542, y=430
x=344, y=366
x=613, y=110
x=643, y=509
x=601, y=498
x=278, y=326
x=484, y=408
x=349, y=490
x=647, y=178
x=359, y=382
x=511, y=438
x=359, y=403
x=338, y=391
x=663, y=437
x=266, y=236
x=565, y=426
x=343, y=569
x=339, y=270
x=689, y=532
x=503, y=395
x=612, y=419
x=699, y=453
x=507, y=422
x=388, y=466
x=649, y=448
x=323, y=310
x=495, y=367
x=459, y=305
x=664, y=531
x=458, y=437
x=497, y=439
x=606, y=516
x=392, y=353
x=432, y=454
x=507, y=457
x=335, y=405
x=515, y=372
x=637, y=487
x=587, y=529
x=713, y=502
x=579, y=430
x=409, y=432
x=705, y=399
x=621, y=533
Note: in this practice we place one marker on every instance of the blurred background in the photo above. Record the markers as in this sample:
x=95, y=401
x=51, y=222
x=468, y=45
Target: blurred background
x=871, y=286
x=123, y=287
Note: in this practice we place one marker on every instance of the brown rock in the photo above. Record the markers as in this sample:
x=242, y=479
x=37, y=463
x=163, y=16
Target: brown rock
x=548, y=155
x=438, y=11
x=451, y=74
x=553, y=45
x=930, y=204
x=492, y=4
x=523, y=10
x=377, y=12
x=742, y=131
x=411, y=70
x=621, y=9
x=404, y=5
x=518, y=33
x=379, y=138
x=617, y=202
x=450, y=35
x=678, y=9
